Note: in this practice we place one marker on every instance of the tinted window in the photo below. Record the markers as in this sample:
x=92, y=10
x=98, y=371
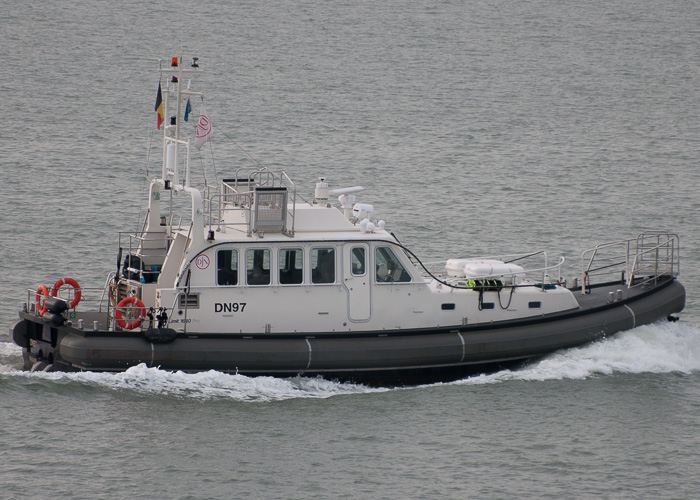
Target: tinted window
x=258, y=266
x=323, y=265
x=358, y=261
x=291, y=266
x=227, y=267
x=388, y=267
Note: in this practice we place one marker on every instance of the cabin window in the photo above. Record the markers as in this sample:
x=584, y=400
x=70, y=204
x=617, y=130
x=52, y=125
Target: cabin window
x=257, y=266
x=227, y=267
x=291, y=266
x=388, y=267
x=534, y=305
x=323, y=265
x=358, y=259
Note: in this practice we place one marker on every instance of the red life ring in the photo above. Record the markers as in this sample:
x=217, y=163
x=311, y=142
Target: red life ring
x=122, y=304
x=40, y=306
x=76, y=288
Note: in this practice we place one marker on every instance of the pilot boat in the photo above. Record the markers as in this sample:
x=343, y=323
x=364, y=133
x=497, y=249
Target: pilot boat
x=256, y=280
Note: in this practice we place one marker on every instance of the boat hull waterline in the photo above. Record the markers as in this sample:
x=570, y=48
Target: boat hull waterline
x=395, y=358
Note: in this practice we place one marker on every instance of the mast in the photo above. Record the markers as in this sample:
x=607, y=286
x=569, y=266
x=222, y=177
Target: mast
x=171, y=132
x=172, y=143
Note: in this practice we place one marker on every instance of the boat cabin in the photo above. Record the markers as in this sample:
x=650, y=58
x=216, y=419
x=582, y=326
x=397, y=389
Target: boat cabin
x=258, y=260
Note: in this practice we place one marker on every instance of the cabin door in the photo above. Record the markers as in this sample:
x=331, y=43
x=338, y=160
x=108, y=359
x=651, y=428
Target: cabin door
x=356, y=279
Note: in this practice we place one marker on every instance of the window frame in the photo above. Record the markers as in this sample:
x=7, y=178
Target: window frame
x=281, y=261
x=234, y=251
x=390, y=273
x=364, y=263
x=313, y=269
x=269, y=268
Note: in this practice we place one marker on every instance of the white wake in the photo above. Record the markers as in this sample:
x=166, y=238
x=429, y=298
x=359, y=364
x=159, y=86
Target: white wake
x=657, y=348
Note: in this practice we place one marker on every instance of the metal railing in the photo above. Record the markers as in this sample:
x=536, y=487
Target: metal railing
x=97, y=308
x=635, y=261
x=535, y=269
x=222, y=203
x=239, y=195
x=145, y=254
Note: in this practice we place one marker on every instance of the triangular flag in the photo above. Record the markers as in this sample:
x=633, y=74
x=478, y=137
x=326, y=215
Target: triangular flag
x=159, y=107
x=188, y=110
x=204, y=129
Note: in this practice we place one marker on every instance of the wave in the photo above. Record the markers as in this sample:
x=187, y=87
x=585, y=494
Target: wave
x=10, y=357
x=204, y=385
x=657, y=348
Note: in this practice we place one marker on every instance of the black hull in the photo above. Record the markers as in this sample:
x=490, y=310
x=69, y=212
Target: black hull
x=377, y=358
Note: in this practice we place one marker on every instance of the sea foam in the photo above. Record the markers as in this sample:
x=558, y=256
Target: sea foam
x=657, y=348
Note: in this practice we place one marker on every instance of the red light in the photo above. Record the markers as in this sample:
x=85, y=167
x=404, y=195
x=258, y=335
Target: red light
x=173, y=62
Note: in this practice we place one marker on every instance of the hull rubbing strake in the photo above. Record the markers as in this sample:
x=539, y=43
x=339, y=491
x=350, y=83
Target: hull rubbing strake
x=308, y=365
x=634, y=318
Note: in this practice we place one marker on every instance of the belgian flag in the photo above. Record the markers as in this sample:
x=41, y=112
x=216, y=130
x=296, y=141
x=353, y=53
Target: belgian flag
x=159, y=106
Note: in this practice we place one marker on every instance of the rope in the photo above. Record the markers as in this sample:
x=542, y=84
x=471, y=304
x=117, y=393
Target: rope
x=239, y=146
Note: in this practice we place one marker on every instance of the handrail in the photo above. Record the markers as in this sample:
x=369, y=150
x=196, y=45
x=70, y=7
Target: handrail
x=105, y=290
x=671, y=266
x=239, y=194
x=241, y=202
x=150, y=250
x=544, y=269
x=89, y=297
x=650, y=255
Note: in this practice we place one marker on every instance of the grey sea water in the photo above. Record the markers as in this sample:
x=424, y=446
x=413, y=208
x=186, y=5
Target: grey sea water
x=476, y=127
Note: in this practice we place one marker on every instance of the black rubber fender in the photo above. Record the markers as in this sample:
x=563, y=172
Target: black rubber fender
x=56, y=305
x=19, y=333
x=54, y=319
x=160, y=335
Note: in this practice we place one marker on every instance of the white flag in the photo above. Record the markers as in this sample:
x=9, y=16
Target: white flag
x=204, y=129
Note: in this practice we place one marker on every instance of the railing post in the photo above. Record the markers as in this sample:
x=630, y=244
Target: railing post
x=656, y=264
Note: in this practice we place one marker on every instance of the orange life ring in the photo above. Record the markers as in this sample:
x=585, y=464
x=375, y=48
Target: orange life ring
x=40, y=304
x=76, y=288
x=118, y=313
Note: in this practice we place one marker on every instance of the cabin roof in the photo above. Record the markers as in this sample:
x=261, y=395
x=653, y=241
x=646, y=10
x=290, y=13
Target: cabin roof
x=311, y=222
